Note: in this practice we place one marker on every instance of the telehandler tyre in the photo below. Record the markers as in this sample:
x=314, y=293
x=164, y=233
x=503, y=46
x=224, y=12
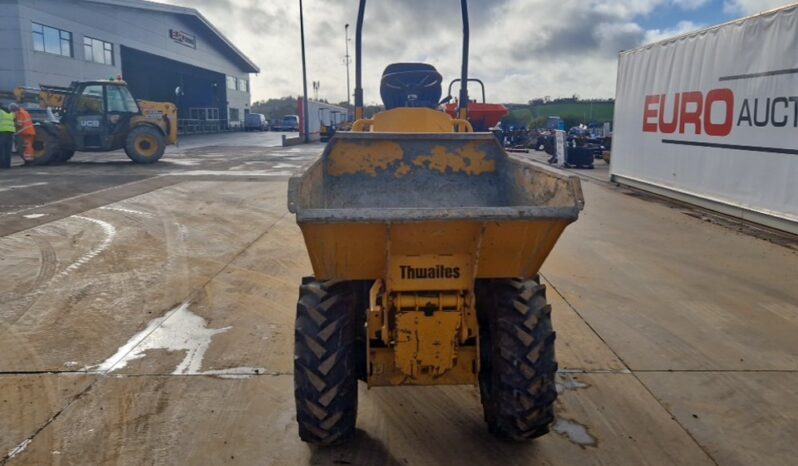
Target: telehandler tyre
x=516, y=380
x=325, y=372
x=46, y=149
x=145, y=144
x=65, y=155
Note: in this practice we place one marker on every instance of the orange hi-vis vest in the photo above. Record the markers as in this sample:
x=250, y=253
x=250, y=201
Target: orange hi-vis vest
x=25, y=123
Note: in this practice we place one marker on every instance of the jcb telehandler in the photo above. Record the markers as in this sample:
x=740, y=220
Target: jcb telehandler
x=425, y=239
x=99, y=116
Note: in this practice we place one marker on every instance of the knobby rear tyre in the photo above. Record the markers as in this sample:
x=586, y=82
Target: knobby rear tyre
x=517, y=377
x=325, y=366
x=46, y=149
x=65, y=155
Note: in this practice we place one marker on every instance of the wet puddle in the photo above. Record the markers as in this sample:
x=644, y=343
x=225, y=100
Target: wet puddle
x=569, y=382
x=18, y=449
x=178, y=330
x=575, y=432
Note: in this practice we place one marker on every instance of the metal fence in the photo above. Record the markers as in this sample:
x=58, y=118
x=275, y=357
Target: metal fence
x=204, y=121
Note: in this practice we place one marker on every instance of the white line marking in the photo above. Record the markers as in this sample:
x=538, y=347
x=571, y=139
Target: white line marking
x=35, y=215
x=230, y=173
x=236, y=372
x=110, y=233
x=22, y=186
x=184, y=162
x=126, y=211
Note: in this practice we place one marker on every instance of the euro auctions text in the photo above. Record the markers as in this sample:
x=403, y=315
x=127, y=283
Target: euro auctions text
x=716, y=113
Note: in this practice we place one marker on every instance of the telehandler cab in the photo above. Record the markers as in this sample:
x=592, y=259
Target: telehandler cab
x=425, y=239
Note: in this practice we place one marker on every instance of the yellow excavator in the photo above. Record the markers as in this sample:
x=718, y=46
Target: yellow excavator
x=425, y=239
x=99, y=116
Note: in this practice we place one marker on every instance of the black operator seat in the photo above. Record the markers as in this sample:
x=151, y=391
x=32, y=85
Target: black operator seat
x=411, y=85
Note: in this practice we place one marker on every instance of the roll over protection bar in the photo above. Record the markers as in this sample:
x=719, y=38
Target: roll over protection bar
x=463, y=103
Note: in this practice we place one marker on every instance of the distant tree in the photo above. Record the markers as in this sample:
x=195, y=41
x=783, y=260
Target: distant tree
x=572, y=120
x=539, y=122
x=369, y=110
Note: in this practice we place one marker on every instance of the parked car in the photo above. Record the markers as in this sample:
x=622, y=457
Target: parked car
x=256, y=122
x=288, y=123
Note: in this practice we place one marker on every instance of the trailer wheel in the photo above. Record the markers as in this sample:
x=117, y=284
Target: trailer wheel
x=516, y=380
x=145, y=144
x=325, y=368
x=46, y=149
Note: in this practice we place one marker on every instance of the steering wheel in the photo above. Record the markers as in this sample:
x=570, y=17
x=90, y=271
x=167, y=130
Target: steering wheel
x=404, y=80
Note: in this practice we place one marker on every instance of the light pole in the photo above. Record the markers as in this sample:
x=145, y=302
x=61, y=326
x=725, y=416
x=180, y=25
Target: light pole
x=305, y=115
x=347, y=62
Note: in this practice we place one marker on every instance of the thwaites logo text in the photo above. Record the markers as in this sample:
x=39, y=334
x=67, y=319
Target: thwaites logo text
x=429, y=273
x=716, y=113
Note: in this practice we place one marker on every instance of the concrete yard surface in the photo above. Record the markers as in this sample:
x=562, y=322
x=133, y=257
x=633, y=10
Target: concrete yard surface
x=146, y=317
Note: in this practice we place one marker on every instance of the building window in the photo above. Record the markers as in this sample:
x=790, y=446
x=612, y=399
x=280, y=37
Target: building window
x=98, y=51
x=51, y=40
x=232, y=83
x=243, y=85
x=234, y=115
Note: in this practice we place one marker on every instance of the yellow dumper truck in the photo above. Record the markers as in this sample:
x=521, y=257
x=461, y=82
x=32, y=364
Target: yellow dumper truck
x=425, y=239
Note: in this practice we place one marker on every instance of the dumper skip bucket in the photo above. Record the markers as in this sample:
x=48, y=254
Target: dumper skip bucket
x=372, y=197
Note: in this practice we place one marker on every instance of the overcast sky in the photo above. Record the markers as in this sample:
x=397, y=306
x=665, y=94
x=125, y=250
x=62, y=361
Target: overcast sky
x=522, y=49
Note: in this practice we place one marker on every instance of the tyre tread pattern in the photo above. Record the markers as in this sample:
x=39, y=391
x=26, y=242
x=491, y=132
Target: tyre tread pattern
x=518, y=386
x=325, y=380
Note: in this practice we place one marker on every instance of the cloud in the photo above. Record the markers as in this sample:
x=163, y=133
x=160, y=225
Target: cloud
x=520, y=48
x=683, y=27
x=690, y=4
x=749, y=7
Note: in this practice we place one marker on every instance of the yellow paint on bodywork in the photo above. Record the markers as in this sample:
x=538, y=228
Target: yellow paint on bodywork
x=357, y=251
x=426, y=342
x=161, y=114
x=403, y=170
x=348, y=158
x=412, y=120
x=468, y=159
x=383, y=371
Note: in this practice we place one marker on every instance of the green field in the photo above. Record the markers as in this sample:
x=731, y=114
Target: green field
x=573, y=113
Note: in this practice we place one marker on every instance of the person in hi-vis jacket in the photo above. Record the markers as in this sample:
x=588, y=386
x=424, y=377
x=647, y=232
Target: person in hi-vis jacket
x=25, y=129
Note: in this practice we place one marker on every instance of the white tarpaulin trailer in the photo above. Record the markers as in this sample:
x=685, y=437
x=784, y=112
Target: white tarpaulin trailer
x=711, y=118
x=321, y=113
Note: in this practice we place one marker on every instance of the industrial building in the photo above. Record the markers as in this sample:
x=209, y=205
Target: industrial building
x=164, y=52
